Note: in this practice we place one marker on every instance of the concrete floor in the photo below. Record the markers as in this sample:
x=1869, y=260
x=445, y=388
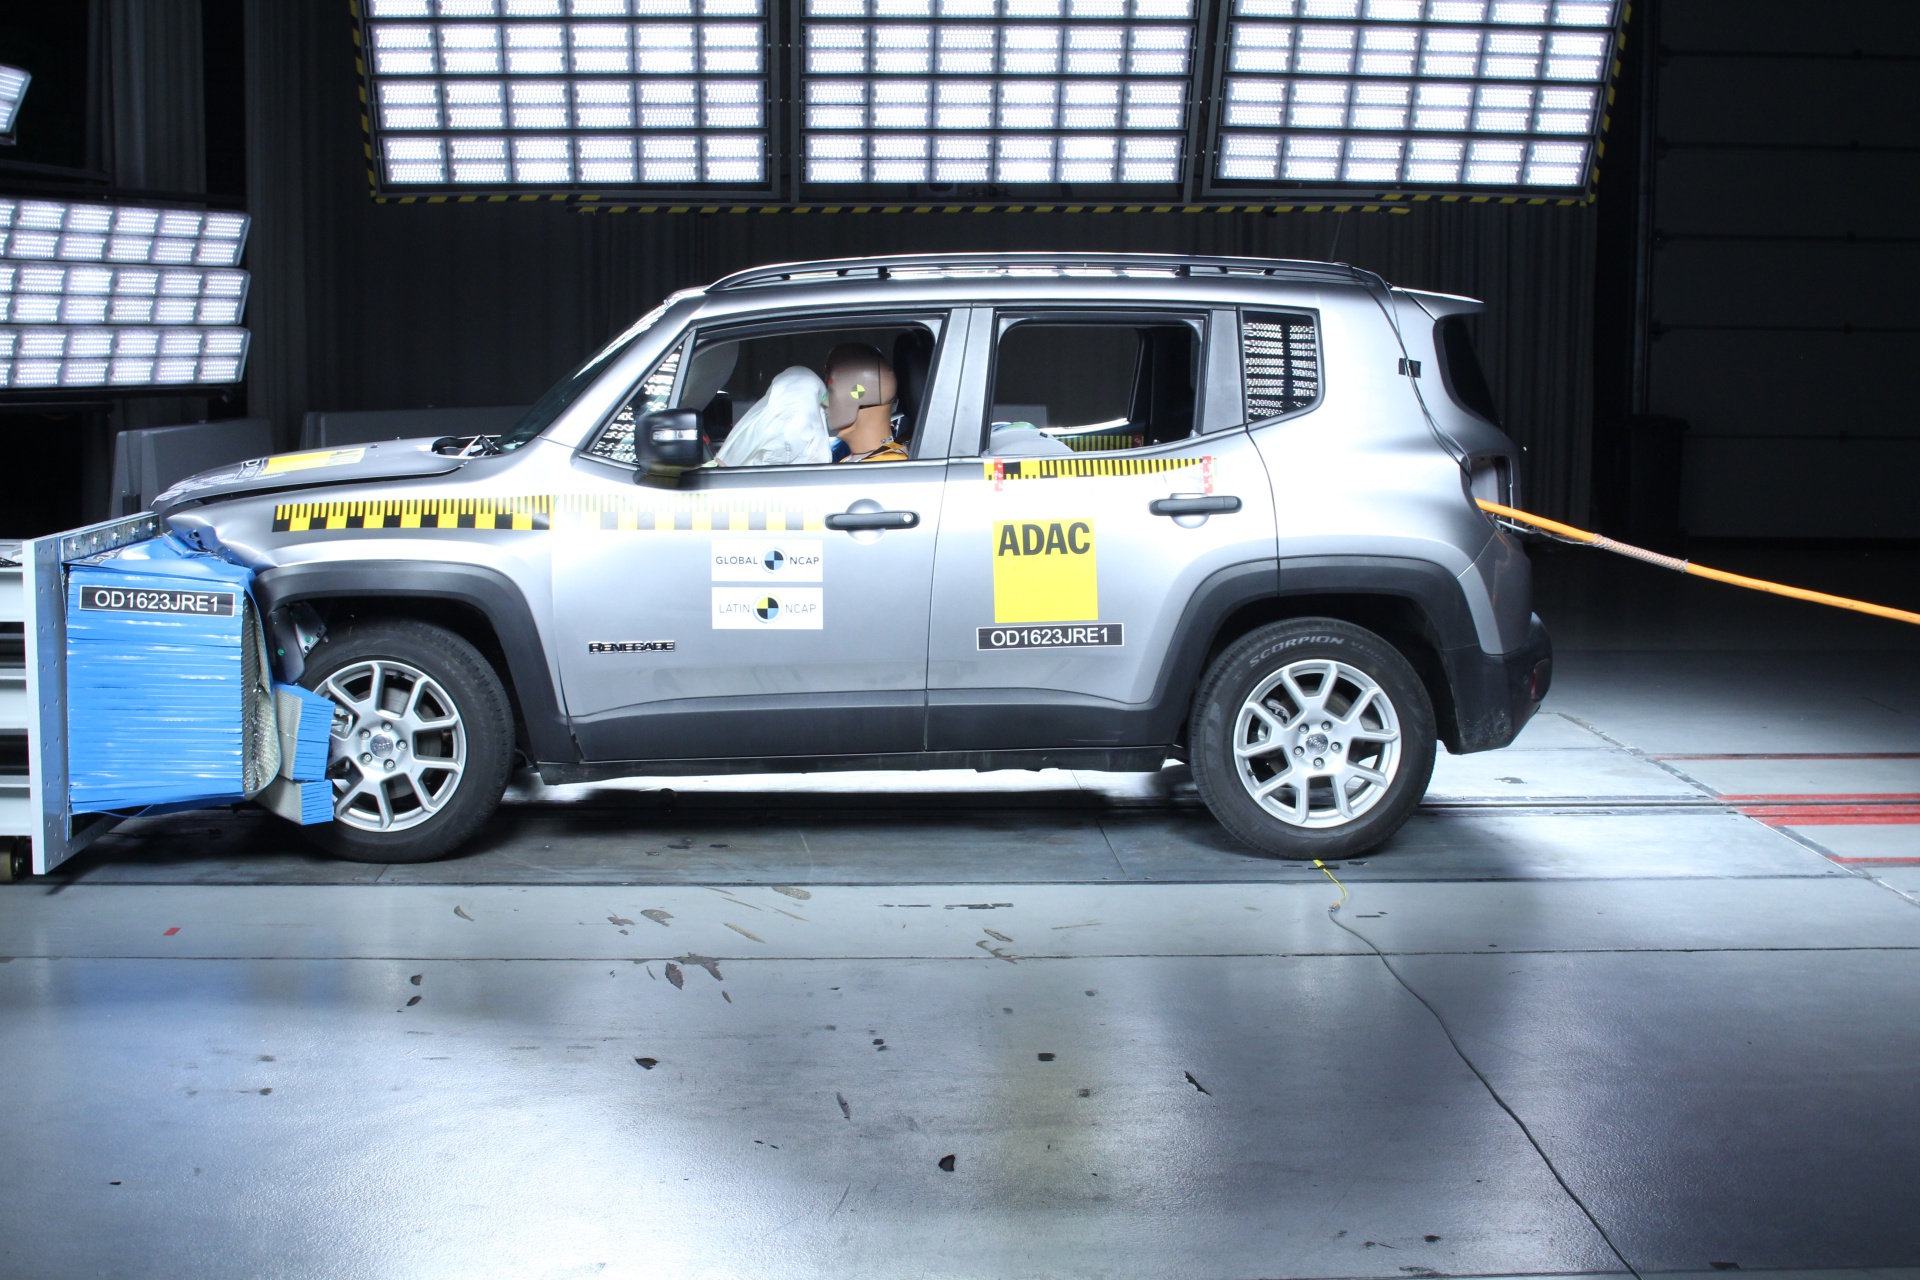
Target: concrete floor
x=1638, y=994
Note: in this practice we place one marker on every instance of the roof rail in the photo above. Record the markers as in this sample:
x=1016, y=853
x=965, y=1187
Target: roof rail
x=992, y=264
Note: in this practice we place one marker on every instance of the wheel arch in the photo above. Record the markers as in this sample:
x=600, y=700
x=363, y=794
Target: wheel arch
x=480, y=605
x=1415, y=605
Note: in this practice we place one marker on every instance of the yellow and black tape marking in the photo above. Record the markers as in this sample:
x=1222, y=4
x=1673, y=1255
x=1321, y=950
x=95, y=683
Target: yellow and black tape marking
x=1102, y=443
x=1000, y=470
x=415, y=513
x=610, y=512
x=695, y=512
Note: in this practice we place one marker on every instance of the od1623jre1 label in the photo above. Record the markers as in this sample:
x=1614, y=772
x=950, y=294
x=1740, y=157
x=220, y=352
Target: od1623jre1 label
x=206, y=604
x=1058, y=635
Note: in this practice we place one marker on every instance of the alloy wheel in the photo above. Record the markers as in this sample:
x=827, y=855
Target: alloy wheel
x=398, y=748
x=1317, y=743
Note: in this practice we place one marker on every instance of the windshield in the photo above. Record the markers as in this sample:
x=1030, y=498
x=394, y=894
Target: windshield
x=568, y=389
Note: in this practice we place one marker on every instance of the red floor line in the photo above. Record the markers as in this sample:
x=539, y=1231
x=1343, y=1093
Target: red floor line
x=1835, y=815
x=1786, y=755
x=1817, y=797
x=1875, y=862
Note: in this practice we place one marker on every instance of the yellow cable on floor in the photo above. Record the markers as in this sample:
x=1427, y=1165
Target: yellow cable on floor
x=1572, y=534
x=1336, y=879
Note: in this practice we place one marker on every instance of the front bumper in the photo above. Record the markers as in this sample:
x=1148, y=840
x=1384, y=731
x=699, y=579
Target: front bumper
x=1495, y=695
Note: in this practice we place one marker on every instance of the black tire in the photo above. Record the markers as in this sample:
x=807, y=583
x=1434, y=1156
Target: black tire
x=1251, y=663
x=458, y=673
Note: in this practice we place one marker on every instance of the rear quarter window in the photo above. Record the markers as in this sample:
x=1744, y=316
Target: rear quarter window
x=1280, y=356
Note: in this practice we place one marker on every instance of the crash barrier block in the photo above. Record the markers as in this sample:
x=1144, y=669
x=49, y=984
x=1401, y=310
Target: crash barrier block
x=168, y=697
x=303, y=802
x=306, y=722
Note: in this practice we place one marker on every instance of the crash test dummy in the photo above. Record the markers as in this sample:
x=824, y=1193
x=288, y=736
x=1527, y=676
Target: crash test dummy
x=860, y=404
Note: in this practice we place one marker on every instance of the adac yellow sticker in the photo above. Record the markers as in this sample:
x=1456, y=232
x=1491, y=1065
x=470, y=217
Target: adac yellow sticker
x=308, y=461
x=1044, y=571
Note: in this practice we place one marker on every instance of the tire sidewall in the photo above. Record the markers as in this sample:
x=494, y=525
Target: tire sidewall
x=478, y=696
x=1254, y=658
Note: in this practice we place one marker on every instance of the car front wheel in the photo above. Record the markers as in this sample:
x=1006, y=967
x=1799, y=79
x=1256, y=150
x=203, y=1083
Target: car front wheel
x=1312, y=738
x=422, y=740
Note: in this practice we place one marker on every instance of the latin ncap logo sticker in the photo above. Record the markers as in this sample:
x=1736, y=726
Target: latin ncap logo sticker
x=758, y=609
x=1044, y=571
x=766, y=560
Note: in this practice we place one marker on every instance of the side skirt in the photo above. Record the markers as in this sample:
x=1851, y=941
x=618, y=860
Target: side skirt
x=1098, y=759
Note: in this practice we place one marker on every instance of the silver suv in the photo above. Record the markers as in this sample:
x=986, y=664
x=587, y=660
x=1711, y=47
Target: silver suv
x=1211, y=509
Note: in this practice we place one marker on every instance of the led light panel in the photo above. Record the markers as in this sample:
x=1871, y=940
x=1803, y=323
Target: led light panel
x=54, y=231
x=95, y=295
x=51, y=293
x=1003, y=92
x=13, y=87
x=120, y=357
x=568, y=93
x=1411, y=93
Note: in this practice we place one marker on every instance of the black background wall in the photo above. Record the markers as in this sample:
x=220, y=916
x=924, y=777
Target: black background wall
x=365, y=305
x=1783, y=263
x=362, y=305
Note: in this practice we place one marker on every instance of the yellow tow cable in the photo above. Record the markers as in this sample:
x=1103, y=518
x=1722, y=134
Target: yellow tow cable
x=1572, y=534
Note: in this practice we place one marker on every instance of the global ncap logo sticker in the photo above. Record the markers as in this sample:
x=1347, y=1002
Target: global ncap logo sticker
x=765, y=560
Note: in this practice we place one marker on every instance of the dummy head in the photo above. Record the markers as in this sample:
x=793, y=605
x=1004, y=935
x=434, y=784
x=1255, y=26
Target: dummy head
x=860, y=388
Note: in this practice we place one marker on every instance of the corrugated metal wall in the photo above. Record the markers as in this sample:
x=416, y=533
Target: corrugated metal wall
x=360, y=306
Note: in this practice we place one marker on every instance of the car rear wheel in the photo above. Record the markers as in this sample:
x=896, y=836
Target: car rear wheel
x=422, y=741
x=1312, y=739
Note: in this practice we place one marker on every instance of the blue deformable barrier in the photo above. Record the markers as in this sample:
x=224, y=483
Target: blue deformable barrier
x=158, y=674
x=306, y=722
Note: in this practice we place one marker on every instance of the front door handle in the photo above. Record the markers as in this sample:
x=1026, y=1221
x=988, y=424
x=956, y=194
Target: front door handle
x=1194, y=505
x=856, y=520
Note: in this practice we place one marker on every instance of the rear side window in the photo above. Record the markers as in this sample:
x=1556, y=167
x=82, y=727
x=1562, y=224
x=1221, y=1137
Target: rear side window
x=1095, y=387
x=1281, y=363
x=1460, y=369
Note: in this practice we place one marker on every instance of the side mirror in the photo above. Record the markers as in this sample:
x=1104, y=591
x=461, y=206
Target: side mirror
x=668, y=442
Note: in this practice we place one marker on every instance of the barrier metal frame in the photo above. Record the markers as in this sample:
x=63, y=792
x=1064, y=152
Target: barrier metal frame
x=57, y=832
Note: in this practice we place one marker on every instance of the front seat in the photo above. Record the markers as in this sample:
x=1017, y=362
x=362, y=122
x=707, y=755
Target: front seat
x=912, y=359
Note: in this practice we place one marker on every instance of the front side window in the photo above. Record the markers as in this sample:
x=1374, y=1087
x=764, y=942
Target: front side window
x=809, y=393
x=1281, y=363
x=1062, y=387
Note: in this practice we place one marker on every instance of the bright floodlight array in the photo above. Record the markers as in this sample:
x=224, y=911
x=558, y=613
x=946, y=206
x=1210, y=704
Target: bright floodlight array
x=47, y=293
x=52, y=230
x=119, y=357
x=1410, y=93
x=13, y=87
x=95, y=295
x=567, y=93
x=996, y=91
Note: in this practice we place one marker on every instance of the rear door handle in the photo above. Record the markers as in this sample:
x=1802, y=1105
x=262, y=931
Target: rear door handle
x=1194, y=505
x=855, y=520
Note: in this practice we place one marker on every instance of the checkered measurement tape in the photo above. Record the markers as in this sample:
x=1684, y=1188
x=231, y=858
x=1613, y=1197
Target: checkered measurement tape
x=1001, y=470
x=690, y=512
